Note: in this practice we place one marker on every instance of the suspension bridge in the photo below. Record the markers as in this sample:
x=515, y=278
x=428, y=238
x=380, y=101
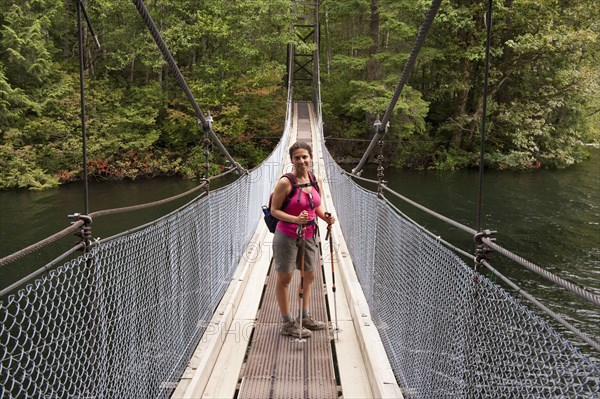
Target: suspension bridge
x=181, y=308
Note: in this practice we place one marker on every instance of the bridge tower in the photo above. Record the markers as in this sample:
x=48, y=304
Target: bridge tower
x=305, y=53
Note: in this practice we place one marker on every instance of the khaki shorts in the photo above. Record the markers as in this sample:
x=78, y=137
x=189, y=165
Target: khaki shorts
x=287, y=254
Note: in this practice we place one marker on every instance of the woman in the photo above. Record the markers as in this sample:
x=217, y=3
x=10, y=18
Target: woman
x=301, y=210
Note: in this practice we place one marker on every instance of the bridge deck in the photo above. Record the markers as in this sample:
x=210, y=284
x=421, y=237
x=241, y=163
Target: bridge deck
x=242, y=354
x=282, y=367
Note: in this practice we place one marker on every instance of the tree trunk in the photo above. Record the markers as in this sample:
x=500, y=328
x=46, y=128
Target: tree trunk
x=131, y=69
x=374, y=26
x=463, y=100
x=66, y=41
x=328, y=37
x=373, y=69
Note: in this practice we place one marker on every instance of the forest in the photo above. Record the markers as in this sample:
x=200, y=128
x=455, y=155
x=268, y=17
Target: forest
x=543, y=97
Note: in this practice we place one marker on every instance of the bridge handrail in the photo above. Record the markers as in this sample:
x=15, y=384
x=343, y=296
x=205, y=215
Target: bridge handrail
x=448, y=328
x=462, y=227
x=78, y=224
x=130, y=299
x=41, y=244
x=580, y=334
x=573, y=288
x=44, y=269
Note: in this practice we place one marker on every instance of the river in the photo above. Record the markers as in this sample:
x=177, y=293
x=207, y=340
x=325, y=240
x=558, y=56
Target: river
x=550, y=217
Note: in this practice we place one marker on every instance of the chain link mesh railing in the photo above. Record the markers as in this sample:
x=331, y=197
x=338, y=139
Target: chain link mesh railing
x=123, y=320
x=449, y=332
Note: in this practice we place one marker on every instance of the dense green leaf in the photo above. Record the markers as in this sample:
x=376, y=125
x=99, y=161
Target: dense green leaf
x=544, y=84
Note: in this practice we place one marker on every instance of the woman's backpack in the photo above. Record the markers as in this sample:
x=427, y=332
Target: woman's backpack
x=271, y=220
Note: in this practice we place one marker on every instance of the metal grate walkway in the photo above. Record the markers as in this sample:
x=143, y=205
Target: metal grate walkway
x=281, y=367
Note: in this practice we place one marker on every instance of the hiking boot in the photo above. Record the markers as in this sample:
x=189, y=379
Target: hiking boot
x=292, y=328
x=311, y=323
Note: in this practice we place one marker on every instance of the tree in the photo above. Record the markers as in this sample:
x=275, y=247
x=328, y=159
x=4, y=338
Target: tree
x=139, y=123
x=543, y=79
x=546, y=72
x=24, y=40
x=369, y=40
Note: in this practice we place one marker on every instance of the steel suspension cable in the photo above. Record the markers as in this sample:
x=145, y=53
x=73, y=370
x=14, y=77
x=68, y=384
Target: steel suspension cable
x=417, y=205
x=86, y=202
x=48, y=266
x=34, y=247
x=78, y=224
x=81, y=10
x=42, y=270
x=429, y=233
x=593, y=298
x=433, y=213
x=435, y=5
x=115, y=211
x=206, y=126
x=583, y=336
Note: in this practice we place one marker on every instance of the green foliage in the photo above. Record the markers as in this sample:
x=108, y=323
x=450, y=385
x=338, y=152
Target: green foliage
x=19, y=170
x=543, y=104
x=451, y=159
x=138, y=121
x=543, y=80
x=12, y=101
x=23, y=37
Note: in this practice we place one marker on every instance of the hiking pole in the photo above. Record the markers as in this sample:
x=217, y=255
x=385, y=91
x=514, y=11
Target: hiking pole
x=300, y=231
x=330, y=236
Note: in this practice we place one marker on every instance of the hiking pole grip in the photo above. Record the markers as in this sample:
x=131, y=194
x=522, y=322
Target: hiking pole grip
x=327, y=215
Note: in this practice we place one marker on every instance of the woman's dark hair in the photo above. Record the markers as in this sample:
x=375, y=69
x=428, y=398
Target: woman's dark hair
x=300, y=144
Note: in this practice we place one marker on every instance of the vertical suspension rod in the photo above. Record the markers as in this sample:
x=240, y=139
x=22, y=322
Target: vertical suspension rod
x=488, y=36
x=86, y=202
x=141, y=7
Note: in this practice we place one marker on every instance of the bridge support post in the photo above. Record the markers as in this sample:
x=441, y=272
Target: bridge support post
x=305, y=54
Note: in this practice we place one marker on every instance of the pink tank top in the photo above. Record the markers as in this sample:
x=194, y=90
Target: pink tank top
x=295, y=208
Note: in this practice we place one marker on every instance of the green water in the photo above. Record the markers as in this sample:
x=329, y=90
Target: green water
x=550, y=217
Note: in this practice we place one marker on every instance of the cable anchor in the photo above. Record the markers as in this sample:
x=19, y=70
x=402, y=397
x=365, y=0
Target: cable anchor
x=377, y=123
x=380, y=158
x=206, y=186
x=85, y=232
x=381, y=183
x=482, y=251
